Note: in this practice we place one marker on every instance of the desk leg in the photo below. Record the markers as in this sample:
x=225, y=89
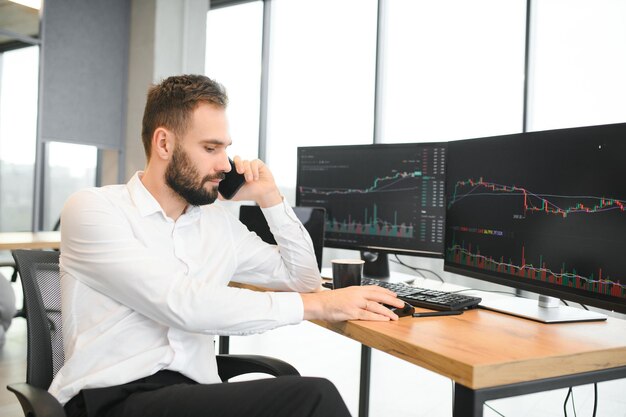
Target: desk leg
x=469, y=402
x=224, y=345
x=466, y=402
x=364, y=386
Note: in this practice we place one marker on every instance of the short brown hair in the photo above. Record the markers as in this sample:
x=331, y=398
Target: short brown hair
x=170, y=104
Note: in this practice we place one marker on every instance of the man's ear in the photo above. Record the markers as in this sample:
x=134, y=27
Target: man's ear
x=163, y=143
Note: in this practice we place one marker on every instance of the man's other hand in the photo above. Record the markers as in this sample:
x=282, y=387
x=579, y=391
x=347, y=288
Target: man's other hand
x=351, y=303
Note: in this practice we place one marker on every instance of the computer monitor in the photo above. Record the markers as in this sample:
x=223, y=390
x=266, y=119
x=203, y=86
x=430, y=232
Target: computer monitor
x=543, y=212
x=312, y=219
x=379, y=199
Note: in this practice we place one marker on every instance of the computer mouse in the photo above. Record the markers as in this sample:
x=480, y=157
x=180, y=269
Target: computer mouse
x=407, y=310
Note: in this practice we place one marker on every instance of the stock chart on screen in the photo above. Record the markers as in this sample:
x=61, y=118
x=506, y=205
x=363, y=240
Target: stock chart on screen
x=542, y=208
x=388, y=197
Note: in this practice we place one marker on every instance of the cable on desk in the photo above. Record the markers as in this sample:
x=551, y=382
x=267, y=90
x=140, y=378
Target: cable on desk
x=595, y=398
x=408, y=266
x=580, y=304
x=573, y=404
x=570, y=391
x=416, y=269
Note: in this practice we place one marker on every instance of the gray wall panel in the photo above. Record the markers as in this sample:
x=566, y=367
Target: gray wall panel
x=84, y=71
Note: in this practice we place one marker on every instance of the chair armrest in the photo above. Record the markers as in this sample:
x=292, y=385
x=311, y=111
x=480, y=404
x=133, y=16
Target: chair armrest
x=36, y=402
x=229, y=366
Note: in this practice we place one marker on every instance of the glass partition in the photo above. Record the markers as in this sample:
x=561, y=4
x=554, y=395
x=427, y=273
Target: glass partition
x=19, y=72
x=69, y=168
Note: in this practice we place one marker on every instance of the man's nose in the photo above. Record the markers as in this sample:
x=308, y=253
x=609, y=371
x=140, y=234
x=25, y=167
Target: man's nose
x=227, y=165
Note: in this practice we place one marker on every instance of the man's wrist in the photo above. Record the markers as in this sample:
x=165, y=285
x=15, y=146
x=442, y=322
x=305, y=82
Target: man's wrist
x=270, y=199
x=312, y=306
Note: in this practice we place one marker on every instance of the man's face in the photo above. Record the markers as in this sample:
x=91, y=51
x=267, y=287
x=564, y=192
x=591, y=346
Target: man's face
x=186, y=181
x=199, y=158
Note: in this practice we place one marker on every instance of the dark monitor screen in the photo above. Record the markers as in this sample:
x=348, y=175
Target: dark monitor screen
x=387, y=198
x=312, y=219
x=541, y=211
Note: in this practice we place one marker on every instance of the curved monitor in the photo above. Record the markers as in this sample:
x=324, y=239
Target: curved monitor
x=541, y=211
x=379, y=199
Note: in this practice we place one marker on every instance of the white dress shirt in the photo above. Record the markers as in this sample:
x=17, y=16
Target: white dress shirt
x=141, y=292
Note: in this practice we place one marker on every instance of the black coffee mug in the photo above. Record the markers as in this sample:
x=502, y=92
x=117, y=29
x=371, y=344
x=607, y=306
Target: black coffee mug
x=347, y=272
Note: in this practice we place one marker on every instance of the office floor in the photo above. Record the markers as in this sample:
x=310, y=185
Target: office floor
x=12, y=367
x=398, y=388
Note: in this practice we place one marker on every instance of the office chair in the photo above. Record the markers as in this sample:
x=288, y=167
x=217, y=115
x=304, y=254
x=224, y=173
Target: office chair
x=6, y=260
x=39, y=271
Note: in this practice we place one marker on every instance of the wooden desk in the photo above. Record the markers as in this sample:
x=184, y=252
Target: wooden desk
x=28, y=240
x=491, y=355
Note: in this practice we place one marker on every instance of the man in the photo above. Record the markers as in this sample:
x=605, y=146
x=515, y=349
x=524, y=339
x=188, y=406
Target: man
x=145, y=269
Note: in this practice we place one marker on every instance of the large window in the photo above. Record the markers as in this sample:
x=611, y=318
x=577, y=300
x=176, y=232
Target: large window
x=449, y=69
x=452, y=69
x=579, y=63
x=19, y=71
x=322, y=73
x=69, y=168
x=233, y=58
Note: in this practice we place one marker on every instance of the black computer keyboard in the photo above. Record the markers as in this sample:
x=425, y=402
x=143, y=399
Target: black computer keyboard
x=425, y=298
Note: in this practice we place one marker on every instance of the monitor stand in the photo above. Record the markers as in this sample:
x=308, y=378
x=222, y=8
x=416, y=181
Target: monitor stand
x=545, y=310
x=377, y=266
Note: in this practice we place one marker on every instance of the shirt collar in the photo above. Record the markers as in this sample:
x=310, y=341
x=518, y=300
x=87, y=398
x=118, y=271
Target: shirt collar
x=146, y=203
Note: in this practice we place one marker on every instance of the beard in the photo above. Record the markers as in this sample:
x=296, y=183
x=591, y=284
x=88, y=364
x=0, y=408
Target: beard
x=184, y=179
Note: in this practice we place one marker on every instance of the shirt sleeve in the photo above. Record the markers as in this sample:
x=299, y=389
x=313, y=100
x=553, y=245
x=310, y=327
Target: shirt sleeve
x=288, y=266
x=99, y=249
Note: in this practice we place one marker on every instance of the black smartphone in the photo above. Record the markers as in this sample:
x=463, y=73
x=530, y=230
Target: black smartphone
x=233, y=181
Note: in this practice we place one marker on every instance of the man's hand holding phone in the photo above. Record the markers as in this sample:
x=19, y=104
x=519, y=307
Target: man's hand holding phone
x=250, y=180
x=232, y=182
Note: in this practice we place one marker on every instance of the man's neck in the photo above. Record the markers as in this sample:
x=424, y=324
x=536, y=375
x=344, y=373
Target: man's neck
x=172, y=204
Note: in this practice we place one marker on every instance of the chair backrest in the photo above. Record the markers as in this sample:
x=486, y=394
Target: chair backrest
x=312, y=218
x=39, y=273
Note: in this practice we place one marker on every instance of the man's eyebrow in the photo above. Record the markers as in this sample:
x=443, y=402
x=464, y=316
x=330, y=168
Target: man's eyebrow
x=218, y=142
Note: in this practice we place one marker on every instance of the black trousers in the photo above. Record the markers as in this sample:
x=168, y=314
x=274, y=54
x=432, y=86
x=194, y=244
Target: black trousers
x=171, y=394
